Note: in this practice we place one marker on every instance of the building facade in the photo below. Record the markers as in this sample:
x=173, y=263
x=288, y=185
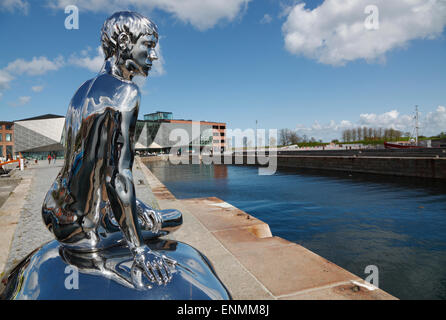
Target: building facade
x=6, y=140
x=37, y=137
x=160, y=132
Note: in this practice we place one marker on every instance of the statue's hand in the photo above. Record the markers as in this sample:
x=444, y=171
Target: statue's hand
x=154, y=266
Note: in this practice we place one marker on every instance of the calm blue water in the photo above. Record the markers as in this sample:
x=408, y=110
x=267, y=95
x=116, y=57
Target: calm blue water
x=353, y=220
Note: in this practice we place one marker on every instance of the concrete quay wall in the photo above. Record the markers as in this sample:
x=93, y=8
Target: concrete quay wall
x=423, y=163
x=423, y=167
x=411, y=167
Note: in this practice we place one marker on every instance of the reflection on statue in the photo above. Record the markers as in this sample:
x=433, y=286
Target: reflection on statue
x=99, y=131
x=91, y=208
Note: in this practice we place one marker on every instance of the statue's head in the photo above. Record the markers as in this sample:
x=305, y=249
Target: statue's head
x=130, y=39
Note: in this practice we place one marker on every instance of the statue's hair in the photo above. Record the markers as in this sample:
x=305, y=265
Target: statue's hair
x=132, y=23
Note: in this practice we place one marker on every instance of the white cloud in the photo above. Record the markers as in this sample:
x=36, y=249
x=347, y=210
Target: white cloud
x=435, y=122
x=335, y=32
x=5, y=79
x=202, y=14
x=266, y=19
x=158, y=65
x=37, y=88
x=326, y=132
x=430, y=124
x=93, y=64
x=37, y=66
x=391, y=119
x=22, y=101
x=12, y=5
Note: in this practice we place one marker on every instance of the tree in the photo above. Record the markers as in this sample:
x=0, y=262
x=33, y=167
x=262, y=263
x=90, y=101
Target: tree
x=353, y=135
x=348, y=135
x=284, y=137
x=359, y=133
x=294, y=138
x=272, y=142
x=365, y=133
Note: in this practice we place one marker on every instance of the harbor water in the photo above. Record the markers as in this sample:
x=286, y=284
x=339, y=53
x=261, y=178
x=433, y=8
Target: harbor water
x=354, y=220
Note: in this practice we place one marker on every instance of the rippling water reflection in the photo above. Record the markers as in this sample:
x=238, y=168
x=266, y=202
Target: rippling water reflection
x=354, y=220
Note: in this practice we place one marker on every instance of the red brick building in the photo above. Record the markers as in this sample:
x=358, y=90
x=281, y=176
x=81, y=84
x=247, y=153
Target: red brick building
x=6, y=139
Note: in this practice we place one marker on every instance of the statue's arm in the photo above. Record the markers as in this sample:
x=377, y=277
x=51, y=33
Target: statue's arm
x=121, y=192
x=122, y=188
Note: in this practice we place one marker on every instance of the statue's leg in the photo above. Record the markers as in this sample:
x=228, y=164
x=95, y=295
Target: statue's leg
x=158, y=221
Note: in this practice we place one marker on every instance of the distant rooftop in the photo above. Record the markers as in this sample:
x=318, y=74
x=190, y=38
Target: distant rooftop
x=165, y=116
x=159, y=115
x=43, y=117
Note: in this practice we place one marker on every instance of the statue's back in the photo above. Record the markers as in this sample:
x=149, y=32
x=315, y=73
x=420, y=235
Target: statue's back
x=78, y=199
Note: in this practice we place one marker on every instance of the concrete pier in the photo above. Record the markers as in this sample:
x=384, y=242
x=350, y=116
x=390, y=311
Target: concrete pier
x=253, y=263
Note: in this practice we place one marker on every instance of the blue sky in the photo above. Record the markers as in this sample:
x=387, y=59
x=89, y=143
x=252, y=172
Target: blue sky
x=288, y=64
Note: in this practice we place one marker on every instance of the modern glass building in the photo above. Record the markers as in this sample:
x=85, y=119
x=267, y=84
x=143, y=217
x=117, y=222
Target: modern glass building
x=160, y=132
x=159, y=115
x=37, y=137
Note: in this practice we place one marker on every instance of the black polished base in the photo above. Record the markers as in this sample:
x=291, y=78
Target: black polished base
x=53, y=272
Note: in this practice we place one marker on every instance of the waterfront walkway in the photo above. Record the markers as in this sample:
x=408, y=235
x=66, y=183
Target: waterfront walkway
x=21, y=226
x=248, y=259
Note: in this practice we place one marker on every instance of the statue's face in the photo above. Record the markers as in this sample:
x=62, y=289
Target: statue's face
x=143, y=53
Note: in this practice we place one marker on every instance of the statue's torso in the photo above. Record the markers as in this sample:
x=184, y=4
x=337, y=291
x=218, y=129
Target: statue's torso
x=78, y=199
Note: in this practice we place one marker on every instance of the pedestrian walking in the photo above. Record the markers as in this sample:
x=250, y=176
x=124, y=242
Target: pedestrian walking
x=49, y=158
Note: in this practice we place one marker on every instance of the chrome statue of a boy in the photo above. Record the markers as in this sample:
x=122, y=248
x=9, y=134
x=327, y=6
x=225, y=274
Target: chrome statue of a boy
x=110, y=238
x=91, y=205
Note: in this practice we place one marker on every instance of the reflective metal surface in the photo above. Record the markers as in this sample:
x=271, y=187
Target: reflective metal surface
x=54, y=272
x=91, y=208
x=95, y=186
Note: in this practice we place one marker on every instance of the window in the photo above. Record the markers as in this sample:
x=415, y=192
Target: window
x=8, y=127
x=1, y=137
x=8, y=137
x=9, y=151
x=1, y=151
x=0, y=127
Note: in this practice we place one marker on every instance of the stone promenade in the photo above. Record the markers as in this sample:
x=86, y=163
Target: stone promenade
x=21, y=226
